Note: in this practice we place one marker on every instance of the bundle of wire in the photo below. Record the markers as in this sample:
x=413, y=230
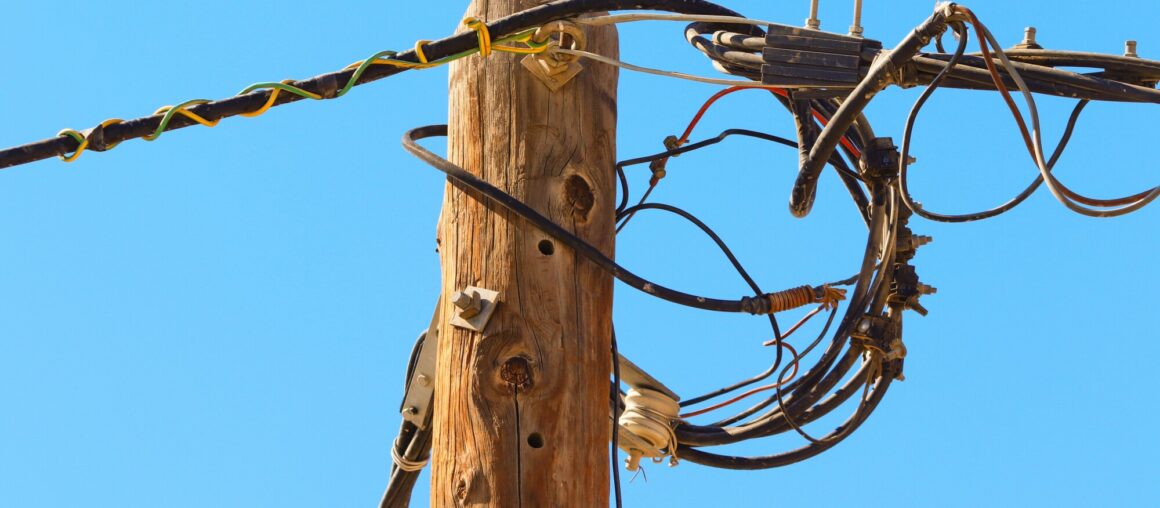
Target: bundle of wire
x=844, y=368
x=863, y=355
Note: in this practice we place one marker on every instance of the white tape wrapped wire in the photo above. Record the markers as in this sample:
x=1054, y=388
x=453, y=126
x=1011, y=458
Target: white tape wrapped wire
x=646, y=427
x=410, y=466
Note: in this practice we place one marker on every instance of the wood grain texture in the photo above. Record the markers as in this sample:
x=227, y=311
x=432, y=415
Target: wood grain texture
x=521, y=410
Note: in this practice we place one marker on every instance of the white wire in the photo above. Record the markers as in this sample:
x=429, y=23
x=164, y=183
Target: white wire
x=680, y=75
x=629, y=18
x=656, y=72
x=1040, y=160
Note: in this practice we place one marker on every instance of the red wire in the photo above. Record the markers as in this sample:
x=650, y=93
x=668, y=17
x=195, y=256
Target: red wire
x=799, y=324
x=755, y=390
x=776, y=91
x=760, y=389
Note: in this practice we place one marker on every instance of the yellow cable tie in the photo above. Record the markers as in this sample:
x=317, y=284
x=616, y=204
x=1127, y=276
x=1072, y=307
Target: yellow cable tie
x=419, y=52
x=482, y=33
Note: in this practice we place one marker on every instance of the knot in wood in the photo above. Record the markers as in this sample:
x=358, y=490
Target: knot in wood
x=578, y=195
x=517, y=372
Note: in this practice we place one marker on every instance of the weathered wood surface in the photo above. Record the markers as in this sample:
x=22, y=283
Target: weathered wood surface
x=521, y=410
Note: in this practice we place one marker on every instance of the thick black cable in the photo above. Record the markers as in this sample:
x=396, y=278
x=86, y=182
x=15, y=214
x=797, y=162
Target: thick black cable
x=878, y=77
x=843, y=431
x=696, y=435
x=327, y=84
x=464, y=178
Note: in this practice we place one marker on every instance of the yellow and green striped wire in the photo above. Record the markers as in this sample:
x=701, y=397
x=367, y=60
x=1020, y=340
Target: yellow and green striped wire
x=485, y=48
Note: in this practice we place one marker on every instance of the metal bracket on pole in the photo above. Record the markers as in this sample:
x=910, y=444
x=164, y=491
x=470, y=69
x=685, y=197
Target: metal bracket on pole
x=553, y=69
x=636, y=377
x=420, y=394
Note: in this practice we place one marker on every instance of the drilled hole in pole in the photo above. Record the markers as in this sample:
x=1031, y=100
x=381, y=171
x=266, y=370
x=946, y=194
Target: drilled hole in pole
x=547, y=248
x=535, y=440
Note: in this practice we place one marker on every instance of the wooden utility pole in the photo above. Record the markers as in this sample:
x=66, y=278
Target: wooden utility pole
x=521, y=409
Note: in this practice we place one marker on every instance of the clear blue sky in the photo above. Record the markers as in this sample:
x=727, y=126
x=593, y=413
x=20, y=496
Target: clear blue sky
x=222, y=317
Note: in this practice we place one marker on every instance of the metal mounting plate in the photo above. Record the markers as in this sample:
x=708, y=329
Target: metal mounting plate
x=478, y=322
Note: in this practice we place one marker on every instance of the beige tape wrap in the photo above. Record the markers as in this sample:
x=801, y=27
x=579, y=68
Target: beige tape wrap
x=646, y=427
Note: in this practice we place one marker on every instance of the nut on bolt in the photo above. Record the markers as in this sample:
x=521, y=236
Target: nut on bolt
x=1130, y=49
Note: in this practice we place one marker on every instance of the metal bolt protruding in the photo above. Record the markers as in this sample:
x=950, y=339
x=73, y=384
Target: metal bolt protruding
x=1130, y=49
x=1029, y=41
x=910, y=159
x=423, y=380
x=469, y=305
x=920, y=240
x=461, y=299
x=856, y=28
x=926, y=290
x=410, y=411
x=813, y=23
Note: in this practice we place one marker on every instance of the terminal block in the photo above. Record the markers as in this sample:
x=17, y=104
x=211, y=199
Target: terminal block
x=804, y=58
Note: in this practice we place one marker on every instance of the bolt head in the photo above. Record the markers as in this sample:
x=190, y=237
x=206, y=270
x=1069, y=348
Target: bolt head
x=410, y=411
x=423, y=380
x=461, y=299
x=864, y=326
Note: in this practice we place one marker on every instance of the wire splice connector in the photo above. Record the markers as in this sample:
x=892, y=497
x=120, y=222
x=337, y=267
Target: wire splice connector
x=781, y=301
